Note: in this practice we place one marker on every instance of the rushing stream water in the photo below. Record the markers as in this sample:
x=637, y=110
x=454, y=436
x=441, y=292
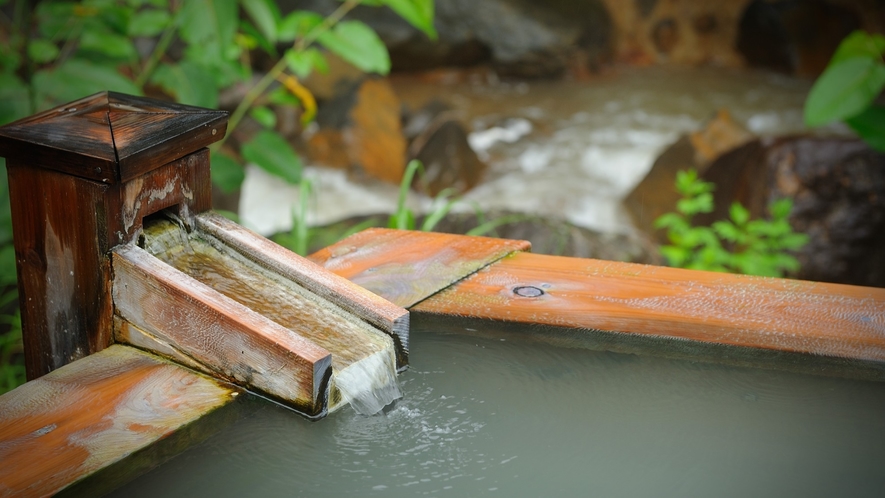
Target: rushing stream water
x=487, y=416
x=569, y=149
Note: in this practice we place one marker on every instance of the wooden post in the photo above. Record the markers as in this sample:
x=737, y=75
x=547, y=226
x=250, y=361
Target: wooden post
x=81, y=179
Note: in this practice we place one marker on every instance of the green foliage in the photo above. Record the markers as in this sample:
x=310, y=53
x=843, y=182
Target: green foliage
x=737, y=245
x=848, y=88
x=65, y=50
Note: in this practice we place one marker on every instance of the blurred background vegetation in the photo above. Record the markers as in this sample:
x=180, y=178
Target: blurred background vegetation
x=265, y=61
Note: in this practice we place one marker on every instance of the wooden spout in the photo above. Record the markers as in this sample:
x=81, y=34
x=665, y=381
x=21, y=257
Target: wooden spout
x=81, y=179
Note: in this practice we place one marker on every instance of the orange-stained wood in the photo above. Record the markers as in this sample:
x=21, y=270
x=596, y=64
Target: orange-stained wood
x=227, y=339
x=405, y=267
x=792, y=316
x=390, y=318
x=94, y=412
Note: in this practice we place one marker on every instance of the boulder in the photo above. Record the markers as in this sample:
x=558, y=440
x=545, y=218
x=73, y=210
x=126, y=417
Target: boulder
x=838, y=190
x=360, y=130
x=655, y=195
x=439, y=141
x=794, y=36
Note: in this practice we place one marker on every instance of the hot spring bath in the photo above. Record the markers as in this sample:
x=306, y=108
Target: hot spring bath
x=493, y=414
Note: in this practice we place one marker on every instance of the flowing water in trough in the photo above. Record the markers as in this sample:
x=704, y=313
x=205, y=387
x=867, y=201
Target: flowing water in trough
x=504, y=417
x=363, y=358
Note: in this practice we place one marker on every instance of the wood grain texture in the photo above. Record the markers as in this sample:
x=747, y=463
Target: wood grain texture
x=60, y=224
x=227, y=339
x=94, y=412
x=111, y=137
x=406, y=267
x=390, y=318
x=808, y=318
x=64, y=228
x=363, y=357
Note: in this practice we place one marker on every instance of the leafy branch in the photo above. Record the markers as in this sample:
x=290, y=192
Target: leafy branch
x=737, y=245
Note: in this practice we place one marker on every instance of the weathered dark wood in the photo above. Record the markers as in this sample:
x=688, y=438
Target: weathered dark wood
x=405, y=267
x=48, y=441
x=81, y=179
x=224, y=337
x=673, y=307
x=110, y=137
x=64, y=227
x=392, y=319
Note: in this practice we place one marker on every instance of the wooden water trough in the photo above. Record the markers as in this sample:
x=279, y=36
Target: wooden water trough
x=143, y=311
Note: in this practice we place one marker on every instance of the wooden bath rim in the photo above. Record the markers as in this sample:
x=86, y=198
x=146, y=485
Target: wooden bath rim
x=119, y=159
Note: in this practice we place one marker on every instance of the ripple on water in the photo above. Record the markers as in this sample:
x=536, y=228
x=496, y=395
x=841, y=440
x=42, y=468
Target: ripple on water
x=525, y=418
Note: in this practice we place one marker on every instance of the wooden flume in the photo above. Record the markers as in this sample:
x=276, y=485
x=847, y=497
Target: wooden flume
x=83, y=179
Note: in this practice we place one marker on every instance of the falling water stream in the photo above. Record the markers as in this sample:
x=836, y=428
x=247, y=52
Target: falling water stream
x=564, y=149
x=503, y=417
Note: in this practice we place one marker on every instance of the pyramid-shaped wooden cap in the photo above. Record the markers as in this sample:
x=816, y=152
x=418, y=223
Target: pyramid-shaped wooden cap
x=111, y=137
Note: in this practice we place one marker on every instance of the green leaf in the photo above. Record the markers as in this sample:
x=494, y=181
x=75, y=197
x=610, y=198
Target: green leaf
x=188, y=82
x=870, y=125
x=669, y=220
x=844, y=90
x=358, y=44
x=226, y=172
x=298, y=24
x=794, y=241
x=265, y=15
x=676, y=256
x=272, y=153
x=249, y=38
x=13, y=100
x=445, y=201
x=107, y=15
x=55, y=20
x=149, y=22
x=780, y=209
x=211, y=25
x=265, y=116
x=282, y=96
x=859, y=44
x=302, y=63
x=76, y=78
x=42, y=51
x=419, y=13
x=739, y=214
x=727, y=231
x=109, y=44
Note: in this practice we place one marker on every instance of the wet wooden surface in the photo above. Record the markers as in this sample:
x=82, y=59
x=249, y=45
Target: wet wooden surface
x=392, y=319
x=809, y=318
x=111, y=137
x=94, y=412
x=363, y=356
x=406, y=267
x=223, y=336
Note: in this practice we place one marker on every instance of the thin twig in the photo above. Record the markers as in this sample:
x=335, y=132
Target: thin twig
x=262, y=85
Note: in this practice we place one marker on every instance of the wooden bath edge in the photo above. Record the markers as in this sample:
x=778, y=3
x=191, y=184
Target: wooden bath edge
x=839, y=329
